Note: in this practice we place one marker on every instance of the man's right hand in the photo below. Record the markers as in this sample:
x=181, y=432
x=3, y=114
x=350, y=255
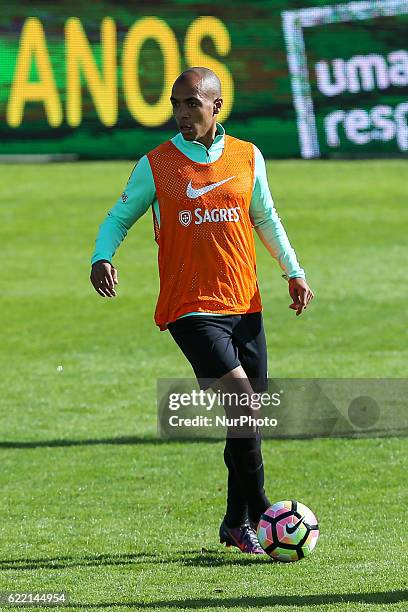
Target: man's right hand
x=104, y=277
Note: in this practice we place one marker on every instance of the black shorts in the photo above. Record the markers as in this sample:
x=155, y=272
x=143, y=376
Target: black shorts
x=215, y=345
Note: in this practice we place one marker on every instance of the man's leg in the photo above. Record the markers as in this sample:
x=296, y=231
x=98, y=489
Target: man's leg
x=243, y=454
x=237, y=508
x=247, y=464
x=249, y=338
x=206, y=341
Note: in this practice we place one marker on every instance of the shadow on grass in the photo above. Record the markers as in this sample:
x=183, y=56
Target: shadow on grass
x=381, y=597
x=95, y=441
x=207, y=558
x=134, y=440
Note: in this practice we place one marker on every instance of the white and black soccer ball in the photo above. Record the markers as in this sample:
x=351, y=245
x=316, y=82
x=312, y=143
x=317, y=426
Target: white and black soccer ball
x=288, y=531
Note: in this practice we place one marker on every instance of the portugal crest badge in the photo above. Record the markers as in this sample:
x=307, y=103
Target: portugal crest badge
x=185, y=217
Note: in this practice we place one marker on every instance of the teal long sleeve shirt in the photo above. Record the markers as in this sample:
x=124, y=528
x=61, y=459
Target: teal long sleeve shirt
x=140, y=194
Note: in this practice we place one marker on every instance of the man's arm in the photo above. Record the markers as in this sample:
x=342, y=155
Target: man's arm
x=268, y=224
x=139, y=194
x=272, y=234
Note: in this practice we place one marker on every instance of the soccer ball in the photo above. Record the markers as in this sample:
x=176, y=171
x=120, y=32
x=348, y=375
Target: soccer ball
x=288, y=531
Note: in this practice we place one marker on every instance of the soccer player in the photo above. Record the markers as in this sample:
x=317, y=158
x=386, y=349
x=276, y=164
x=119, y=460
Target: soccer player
x=207, y=191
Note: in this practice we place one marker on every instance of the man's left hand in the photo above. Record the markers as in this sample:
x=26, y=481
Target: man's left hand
x=301, y=294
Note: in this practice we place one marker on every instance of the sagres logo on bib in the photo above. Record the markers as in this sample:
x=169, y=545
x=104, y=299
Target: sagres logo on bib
x=215, y=215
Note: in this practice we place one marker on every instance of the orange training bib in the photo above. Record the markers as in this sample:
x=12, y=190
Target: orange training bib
x=206, y=252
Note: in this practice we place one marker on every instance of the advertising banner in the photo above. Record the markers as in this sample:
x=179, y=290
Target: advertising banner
x=311, y=78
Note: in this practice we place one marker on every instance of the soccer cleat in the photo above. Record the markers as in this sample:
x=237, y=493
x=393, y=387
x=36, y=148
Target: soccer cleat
x=243, y=537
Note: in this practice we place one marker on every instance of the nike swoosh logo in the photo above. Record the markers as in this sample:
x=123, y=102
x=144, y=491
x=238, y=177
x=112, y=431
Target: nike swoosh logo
x=293, y=529
x=196, y=193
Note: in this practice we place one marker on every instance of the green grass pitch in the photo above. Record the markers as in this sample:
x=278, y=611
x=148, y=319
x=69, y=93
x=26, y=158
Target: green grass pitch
x=92, y=503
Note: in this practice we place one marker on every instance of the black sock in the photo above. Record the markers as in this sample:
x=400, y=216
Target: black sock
x=237, y=507
x=258, y=504
x=246, y=457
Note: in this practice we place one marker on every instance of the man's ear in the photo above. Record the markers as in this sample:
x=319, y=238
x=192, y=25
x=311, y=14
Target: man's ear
x=217, y=106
